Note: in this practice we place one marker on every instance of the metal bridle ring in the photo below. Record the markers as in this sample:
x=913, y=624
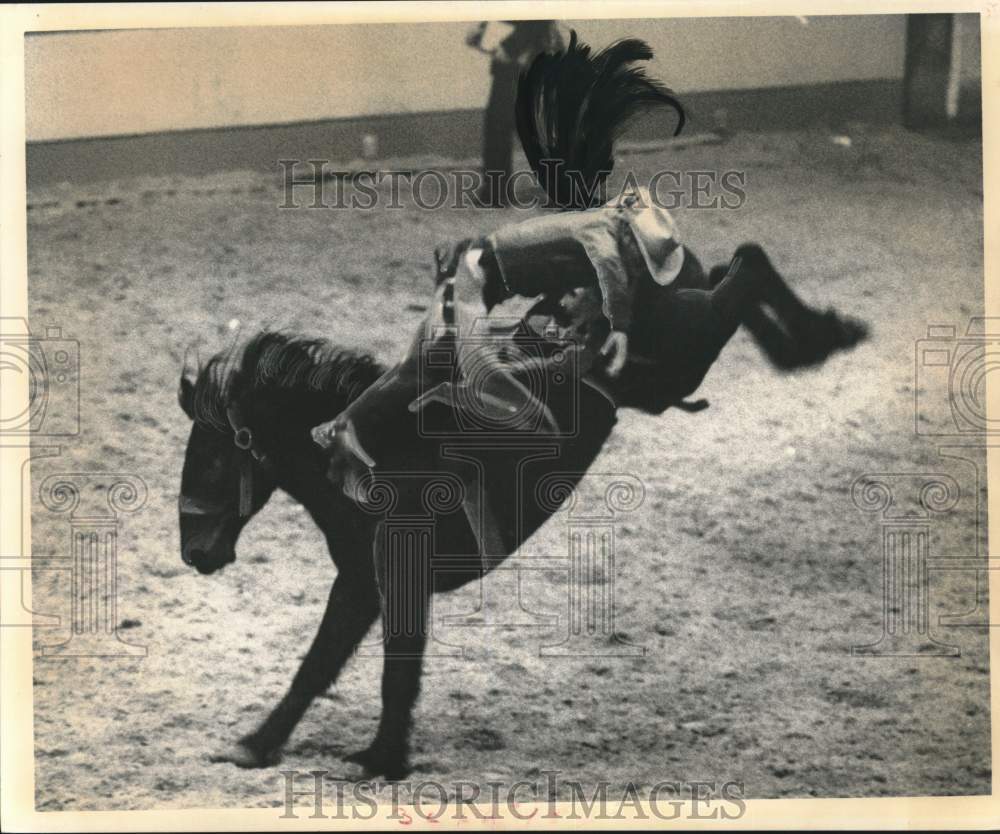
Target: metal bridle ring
x=243, y=438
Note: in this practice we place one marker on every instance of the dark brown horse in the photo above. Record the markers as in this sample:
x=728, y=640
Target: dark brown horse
x=253, y=410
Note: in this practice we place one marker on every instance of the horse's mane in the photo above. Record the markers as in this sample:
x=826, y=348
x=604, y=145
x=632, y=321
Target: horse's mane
x=273, y=362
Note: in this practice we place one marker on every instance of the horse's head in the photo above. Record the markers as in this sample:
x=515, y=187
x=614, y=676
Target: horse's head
x=252, y=408
x=226, y=479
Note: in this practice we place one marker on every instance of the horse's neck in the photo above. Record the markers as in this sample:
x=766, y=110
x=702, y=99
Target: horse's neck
x=302, y=407
x=302, y=463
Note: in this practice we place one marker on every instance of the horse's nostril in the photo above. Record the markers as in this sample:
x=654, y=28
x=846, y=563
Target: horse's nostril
x=190, y=557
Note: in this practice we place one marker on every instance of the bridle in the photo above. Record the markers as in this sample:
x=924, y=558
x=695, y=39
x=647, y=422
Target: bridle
x=244, y=440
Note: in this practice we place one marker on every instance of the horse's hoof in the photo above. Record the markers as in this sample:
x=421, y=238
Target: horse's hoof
x=829, y=332
x=243, y=755
x=374, y=762
x=852, y=331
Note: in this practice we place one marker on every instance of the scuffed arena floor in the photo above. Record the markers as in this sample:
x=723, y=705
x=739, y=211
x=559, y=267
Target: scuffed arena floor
x=748, y=574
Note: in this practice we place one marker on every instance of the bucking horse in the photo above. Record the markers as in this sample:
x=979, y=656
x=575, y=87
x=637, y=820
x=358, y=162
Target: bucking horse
x=254, y=408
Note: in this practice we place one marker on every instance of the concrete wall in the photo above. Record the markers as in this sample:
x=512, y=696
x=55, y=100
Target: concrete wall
x=111, y=83
x=970, y=46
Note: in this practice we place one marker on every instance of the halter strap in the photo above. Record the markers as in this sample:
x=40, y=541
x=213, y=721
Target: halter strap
x=243, y=436
x=243, y=439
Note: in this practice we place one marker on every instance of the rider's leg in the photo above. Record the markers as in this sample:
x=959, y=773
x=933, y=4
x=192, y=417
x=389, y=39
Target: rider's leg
x=766, y=329
x=812, y=334
x=703, y=321
x=355, y=438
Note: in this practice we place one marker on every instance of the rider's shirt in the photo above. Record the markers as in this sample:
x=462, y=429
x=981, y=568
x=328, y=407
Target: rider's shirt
x=571, y=249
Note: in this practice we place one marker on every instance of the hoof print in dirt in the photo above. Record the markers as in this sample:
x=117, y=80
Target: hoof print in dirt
x=243, y=755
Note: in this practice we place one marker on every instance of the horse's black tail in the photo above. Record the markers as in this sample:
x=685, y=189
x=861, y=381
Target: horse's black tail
x=572, y=106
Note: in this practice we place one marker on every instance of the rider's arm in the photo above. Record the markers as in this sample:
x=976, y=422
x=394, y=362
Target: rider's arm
x=617, y=288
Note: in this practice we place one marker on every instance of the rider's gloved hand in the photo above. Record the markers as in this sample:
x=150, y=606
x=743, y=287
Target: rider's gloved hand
x=349, y=465
x=615, y=350
x=474, y=37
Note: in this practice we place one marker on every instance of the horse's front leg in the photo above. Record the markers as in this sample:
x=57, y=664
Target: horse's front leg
x=350, y=611
x=405, y=586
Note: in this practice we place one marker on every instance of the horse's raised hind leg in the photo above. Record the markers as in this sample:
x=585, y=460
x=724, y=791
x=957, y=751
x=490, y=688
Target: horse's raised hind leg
x=350, y=612
x=404, y=577
x=798, y=335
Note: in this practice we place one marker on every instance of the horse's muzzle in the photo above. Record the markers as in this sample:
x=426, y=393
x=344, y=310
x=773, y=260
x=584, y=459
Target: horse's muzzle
x=206, y=561
x=208, y=541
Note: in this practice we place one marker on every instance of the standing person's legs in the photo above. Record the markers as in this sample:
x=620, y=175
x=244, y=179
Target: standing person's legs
x=498, y=133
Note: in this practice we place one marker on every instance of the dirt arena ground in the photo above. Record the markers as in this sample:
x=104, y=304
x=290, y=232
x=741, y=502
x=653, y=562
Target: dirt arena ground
x=747, y=574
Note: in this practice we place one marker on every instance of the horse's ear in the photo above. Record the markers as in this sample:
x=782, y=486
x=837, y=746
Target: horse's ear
x=185, y=389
